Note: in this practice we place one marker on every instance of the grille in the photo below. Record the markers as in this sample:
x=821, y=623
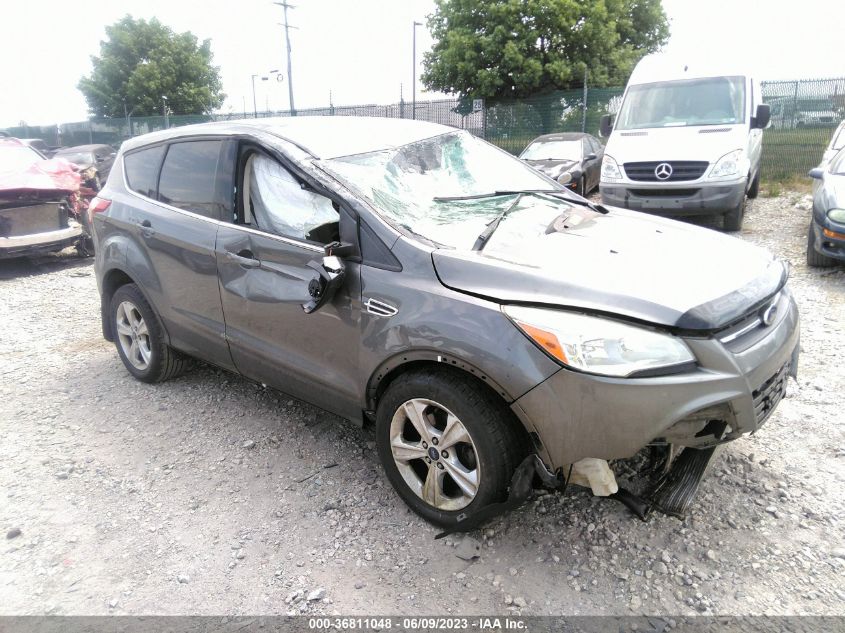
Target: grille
x=681, y=170
x=769, y=394
x=664, y=193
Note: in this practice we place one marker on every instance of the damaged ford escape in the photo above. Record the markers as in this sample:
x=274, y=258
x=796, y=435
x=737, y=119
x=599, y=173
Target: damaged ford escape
x=497, y=329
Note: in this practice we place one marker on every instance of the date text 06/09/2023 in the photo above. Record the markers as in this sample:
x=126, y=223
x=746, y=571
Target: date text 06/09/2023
x=417, y=623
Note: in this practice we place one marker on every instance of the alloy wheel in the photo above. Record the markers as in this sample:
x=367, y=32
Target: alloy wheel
x=133, y=335
x=435, y=454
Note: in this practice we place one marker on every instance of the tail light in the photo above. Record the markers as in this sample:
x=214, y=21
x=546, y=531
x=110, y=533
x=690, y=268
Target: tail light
x=97, y=205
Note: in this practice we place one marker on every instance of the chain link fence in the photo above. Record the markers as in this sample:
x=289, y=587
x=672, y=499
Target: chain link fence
x=804, y=114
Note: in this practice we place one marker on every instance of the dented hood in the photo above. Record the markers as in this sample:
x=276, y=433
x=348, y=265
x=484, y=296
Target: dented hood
x=623, y=262
x=39, y=177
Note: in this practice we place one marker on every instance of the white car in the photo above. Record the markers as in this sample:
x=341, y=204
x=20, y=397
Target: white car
x=837, y=142
x=687, y=141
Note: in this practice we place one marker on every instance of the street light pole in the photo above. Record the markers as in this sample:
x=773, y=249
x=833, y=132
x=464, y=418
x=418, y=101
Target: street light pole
x=414, y=75
x=164, y=111
x=254, y=102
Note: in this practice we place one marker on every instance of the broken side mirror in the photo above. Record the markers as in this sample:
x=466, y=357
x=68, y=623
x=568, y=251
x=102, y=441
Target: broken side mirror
x=330, y=274
x=606, y=125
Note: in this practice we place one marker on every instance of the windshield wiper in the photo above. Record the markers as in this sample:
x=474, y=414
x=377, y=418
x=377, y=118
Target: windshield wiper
x=481, y=241
x=600, y=208
x=493, y=194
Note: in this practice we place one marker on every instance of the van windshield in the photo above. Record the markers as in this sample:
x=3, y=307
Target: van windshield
x=708, y=101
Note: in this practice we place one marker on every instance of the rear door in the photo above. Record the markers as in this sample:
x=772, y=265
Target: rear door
x=263, y=259
x=183, y=191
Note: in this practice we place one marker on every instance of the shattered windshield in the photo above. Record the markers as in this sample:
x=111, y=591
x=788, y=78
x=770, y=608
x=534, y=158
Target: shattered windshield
x=408, y=185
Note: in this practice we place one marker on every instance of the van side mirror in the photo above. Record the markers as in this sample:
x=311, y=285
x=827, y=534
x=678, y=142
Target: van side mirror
x=817, y=173
x=590, y=156
x=606, y=125
x=330, y=274
x=762, y=116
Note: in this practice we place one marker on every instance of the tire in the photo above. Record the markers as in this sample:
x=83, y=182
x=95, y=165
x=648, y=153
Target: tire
x=134, y=321
x=733, y=218
x=814, y=258
x=485, y=463
x=582, y=187
x=754, y=190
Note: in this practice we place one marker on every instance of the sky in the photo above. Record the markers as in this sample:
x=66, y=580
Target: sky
x=359, y=51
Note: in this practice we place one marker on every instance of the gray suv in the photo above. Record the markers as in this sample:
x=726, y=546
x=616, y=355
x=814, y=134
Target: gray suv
x=490, y=323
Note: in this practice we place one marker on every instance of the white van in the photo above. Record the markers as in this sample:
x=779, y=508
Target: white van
x=686, y=141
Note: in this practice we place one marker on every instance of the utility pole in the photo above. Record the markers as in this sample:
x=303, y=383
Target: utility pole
x=285, y=5
x=414, y=81
x=164, y=111
x=584, y=109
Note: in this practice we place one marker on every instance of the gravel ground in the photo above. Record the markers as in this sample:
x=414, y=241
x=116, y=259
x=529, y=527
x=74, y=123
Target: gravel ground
x=209, y=494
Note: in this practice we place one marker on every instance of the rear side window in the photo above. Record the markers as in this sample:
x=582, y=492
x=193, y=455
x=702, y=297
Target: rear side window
x=189, y=177
x=142, y=170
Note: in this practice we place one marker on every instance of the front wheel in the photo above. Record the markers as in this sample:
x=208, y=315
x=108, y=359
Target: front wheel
x=448, y=446
x=814, y=258
x=754, y=189
x=733, y=218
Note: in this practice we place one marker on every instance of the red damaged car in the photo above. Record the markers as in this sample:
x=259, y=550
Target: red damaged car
x=41, y=203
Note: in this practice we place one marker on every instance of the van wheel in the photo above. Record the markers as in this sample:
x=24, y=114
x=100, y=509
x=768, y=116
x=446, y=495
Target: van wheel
x=582, y=187
x=448, y=446
x=139, y=338
x=814, y=258
x=754, y=190
x=733, y=218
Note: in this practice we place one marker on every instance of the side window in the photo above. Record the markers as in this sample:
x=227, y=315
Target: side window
x=273, y=201
x=189, y=177
x=142, y=170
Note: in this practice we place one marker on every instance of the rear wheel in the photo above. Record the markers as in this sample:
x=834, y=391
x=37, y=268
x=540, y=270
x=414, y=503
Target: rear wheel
x=139, y=338
x=733, y=218
x=448, y=446
x=814, y=258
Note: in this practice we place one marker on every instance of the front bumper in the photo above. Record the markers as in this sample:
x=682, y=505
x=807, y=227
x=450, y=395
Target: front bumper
x=44, y=242
x=676, y=198
x=828, y=243
x=576, y=415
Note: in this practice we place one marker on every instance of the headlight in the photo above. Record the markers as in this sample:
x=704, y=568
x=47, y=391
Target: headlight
x=609, y=169
x=727, y=165
x=597, y=345
x=565, y=178
x=837, y=215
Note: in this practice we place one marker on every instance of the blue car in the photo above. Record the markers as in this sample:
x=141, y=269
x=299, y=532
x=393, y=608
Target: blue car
x=826, y=237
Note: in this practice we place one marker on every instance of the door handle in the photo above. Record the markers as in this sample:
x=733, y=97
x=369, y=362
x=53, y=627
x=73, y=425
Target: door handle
x=146, y=228
x=244, y=257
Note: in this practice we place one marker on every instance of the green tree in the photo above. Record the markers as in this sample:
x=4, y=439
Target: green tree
x=142, y=61
x=513, y=49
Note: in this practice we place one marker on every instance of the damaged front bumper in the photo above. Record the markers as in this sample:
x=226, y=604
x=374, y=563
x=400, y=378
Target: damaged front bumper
x=738, y=381
x=37, y=228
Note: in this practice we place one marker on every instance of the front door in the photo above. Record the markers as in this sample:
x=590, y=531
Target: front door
x=262, y=261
